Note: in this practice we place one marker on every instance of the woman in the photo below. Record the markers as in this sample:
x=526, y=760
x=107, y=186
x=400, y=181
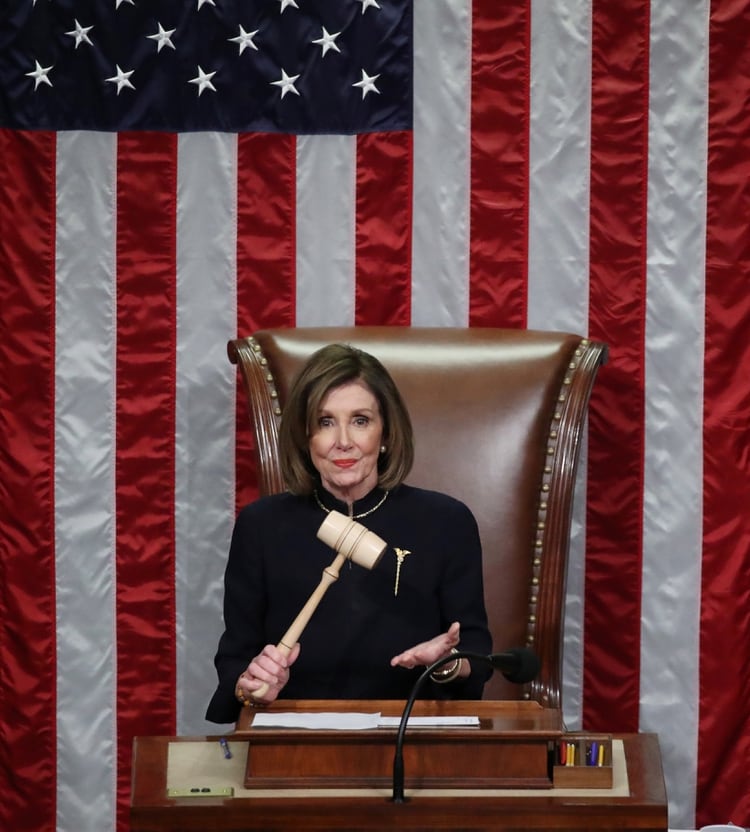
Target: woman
x=346, y=444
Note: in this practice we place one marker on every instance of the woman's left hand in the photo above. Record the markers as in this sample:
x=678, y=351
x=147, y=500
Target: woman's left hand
x=430, y=651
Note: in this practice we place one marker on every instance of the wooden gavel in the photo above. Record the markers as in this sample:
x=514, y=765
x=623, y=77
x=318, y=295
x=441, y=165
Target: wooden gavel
x=352, y=541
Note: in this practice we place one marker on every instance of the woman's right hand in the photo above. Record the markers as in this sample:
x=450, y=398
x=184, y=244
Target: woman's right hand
x=267, y=673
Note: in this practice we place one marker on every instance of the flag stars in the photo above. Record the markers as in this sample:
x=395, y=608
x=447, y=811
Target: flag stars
x=203, y=81
x=367, y=84
x=245, y=39
x=201, y=3
x=163, y=38
x=118, y=3
x=367, y=3
x=40, y=75
x=286, y=3
x=286, y=83
x=121, y=78
x=81, y=34
x=327, y=41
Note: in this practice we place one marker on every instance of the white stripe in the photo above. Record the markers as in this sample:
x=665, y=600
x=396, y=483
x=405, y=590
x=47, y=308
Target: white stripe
x=326, y=181
x=674, y=396
x=559, y=153
x=205, y=408
x=84, y=481
x=442, y=94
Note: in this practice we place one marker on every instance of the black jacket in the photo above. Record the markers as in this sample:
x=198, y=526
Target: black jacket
x=276, y=561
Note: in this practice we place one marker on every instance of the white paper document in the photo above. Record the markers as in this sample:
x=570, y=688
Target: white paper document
x=345, y=721
x=431, y=721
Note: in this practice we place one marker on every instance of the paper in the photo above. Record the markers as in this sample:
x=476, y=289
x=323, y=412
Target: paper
x=431, y=721
x=345, y=721
x=318, y=721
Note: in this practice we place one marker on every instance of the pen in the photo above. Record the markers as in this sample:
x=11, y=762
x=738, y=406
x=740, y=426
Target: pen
x=225, y=748
x=593, y=753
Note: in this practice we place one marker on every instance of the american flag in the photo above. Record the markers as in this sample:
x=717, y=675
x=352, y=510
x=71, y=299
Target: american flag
x=293, y=66
x=175, y=174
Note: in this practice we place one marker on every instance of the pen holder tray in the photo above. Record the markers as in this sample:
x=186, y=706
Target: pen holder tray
x=582, y=761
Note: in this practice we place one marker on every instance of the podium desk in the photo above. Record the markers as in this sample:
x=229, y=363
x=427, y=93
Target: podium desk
x=211, y=792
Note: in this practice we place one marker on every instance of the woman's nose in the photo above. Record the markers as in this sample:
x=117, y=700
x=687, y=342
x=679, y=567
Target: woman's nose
x=342, y=439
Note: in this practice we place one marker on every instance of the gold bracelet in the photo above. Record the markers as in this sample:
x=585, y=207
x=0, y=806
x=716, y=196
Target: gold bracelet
x=447, y=673
x=248, y=702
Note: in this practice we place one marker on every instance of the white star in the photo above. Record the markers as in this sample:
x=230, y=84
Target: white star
x=81, y=34
x=118, y=3
x=122, y=79
x=201, y=2
x=203, y=80
x=286, y=83
x=163, y=37
x=327, y=41
x=40, y=75
x=367, y=3
x=367, y=84
x=285, y=3
x=245, y=39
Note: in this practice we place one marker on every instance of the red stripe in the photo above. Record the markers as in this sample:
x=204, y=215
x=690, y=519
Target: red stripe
x=145, y=457
x=499, y=163
x=266, y=262
x=28, y=671
x=619, y=155
x=383, y=229
x=724, y=725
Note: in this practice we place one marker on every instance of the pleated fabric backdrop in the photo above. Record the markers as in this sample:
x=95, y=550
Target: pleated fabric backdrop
x=563, y=164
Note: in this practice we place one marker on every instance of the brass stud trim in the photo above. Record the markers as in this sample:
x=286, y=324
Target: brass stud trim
x=549, y=467
x=263, y=361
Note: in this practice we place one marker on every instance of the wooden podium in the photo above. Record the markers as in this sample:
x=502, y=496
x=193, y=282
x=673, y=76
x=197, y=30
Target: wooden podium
x=508, y=749
x=499, y=774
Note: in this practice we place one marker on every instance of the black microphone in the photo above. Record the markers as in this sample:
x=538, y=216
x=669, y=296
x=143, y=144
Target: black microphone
x=519, y=665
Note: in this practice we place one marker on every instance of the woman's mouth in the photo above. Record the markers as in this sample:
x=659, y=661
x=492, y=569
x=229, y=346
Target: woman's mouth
x=344, y=463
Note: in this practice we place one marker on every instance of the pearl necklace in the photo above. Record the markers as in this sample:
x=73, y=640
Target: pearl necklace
x=354, y=516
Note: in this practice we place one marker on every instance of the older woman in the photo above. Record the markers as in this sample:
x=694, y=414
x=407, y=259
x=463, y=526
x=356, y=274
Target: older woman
x=346, y=444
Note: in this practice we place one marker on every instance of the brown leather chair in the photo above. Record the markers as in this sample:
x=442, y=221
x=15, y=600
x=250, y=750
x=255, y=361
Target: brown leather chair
x=498, y=417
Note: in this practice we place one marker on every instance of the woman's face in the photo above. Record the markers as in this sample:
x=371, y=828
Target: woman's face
x=345, y=444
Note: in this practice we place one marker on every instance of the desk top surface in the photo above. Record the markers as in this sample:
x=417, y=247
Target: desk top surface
x=643, y=806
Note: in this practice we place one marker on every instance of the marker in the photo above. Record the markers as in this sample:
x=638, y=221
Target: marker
x=593, y=753
x=225, y=748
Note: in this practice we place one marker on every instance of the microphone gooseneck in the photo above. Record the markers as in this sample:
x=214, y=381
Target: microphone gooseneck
x=519, y=666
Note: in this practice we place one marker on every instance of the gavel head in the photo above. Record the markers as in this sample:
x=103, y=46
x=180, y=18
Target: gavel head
x=352, y=540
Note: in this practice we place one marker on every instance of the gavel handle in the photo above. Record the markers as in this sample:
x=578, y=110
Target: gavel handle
x=293, y=634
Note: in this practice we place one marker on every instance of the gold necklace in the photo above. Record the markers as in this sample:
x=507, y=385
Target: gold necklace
x=354, y=516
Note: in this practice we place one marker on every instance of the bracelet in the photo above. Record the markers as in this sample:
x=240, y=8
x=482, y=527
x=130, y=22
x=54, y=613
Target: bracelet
x=447, y=673
x=248, y=702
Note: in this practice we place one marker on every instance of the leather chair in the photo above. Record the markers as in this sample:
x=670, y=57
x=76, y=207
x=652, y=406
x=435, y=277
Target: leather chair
x=498, y=417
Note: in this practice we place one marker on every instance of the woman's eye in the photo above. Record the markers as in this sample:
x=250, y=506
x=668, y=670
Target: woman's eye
x=362, y=421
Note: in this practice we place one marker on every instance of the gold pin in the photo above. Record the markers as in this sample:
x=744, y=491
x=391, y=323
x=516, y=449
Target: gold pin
x=400, y=555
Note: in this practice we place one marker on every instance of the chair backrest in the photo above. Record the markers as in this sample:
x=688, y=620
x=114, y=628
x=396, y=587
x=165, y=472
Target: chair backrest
x=498, y=416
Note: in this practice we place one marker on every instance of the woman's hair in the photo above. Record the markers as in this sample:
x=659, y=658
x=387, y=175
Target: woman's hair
x=327, y=369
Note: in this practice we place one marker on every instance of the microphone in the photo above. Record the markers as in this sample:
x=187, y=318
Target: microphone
x=519, y=665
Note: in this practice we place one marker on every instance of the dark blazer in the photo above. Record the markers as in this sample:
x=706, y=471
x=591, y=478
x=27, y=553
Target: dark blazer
x=276, y=561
